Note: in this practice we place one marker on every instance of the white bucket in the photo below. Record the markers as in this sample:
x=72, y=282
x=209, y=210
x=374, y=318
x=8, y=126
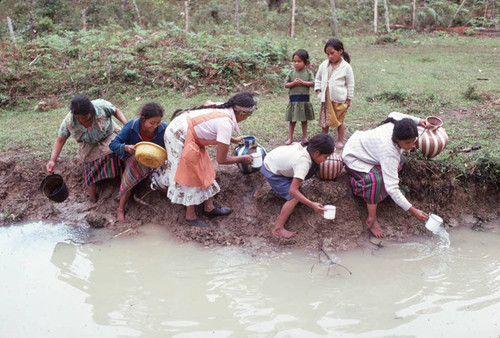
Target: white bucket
x=433, y=223
x=257, y=160
x=329, y=212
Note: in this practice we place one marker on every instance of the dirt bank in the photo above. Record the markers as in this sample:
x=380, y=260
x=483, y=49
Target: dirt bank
x=255, y=206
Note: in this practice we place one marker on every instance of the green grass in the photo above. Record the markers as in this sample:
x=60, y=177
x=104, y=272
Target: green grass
x=418, y=74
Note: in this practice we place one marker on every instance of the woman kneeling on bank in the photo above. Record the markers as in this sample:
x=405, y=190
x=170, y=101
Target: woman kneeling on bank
x=189, y=174
x=147, y=128
x=93, y=128
x=286, y=167
x=373, y=159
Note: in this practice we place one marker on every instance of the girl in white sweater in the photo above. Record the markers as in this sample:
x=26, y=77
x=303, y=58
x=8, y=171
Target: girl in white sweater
x=334, y=84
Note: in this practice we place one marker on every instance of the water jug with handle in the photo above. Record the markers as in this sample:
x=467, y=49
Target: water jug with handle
x=433, y=139
x=249, y=147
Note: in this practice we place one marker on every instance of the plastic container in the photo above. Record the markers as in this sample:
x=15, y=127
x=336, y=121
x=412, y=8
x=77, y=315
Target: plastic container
x=54, y=188
x=433, y=223
x=257, y=160
x=329, y=212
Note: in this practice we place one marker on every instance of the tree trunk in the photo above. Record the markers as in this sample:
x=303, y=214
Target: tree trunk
x=123, y=6
x=375, y=16
x=32, y=19
x=334, y=18
x=456, y=13
x=386, y=10
x=33, y=25
x=485, y=9
x=137, y=12
x=236, y=11
x=292, y=19
x=413, y=10
x=83, y=12
x=11, y=32
x=186, y=16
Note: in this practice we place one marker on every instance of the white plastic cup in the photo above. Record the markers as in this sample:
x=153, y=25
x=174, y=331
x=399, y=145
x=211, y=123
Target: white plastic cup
x=433, y=223
x=256, y=160
x=329, y=213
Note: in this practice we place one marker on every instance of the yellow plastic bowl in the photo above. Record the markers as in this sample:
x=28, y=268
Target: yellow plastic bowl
x=150, y=154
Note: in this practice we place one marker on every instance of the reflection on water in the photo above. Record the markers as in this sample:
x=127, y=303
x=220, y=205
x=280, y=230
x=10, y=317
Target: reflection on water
x=149, y=285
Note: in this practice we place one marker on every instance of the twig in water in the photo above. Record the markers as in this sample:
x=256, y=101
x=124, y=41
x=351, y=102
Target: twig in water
x=82, y=243
x=123, y=232
x=379, y=244
x=332, y=262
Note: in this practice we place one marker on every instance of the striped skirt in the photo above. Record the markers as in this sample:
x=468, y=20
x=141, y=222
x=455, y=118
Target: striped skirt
x=370, y=186
x=133, y=174
x=108, y=166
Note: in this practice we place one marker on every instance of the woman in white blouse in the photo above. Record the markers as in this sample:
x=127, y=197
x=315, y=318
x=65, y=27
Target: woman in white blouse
x=373, y=159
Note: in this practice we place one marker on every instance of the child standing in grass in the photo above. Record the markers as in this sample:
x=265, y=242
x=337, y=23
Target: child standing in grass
x=334, y=84
x=298, y=82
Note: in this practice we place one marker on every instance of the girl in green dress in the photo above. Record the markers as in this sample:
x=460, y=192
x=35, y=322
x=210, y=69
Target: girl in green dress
x=298, y=82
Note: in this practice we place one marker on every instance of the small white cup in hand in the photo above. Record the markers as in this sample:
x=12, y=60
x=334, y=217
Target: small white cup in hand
x=329, y=212
x=257, y=160
x=433, y=223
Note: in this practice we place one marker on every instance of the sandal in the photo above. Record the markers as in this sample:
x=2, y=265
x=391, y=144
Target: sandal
x=197, y=222
x=224, y=211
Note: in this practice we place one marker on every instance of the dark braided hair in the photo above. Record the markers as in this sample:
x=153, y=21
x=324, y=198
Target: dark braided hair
x=338, y=45
x=243, y=99
x=322, y=142
x=404, y=129
x=151, y=109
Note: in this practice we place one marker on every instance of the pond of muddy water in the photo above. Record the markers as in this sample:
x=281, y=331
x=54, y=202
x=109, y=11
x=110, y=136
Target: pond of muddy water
x=147, y=284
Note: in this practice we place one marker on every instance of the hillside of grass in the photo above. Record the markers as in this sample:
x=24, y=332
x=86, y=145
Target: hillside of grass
x=453, y=77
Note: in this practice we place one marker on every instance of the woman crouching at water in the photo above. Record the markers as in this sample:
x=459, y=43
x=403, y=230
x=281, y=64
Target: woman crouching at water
x=147, y=128
x=286, y=167
x=189, y=174
x=373, y=159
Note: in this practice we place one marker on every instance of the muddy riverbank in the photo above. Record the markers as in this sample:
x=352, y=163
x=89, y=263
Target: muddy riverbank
x=255, y=205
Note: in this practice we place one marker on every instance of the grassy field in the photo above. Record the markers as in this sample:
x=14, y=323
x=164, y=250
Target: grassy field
x=455, y=78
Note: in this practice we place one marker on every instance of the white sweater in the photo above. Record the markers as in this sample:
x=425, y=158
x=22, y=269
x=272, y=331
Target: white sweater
x=366, y=149
x=341, y=83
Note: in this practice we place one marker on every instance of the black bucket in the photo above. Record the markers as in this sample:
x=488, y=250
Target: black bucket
x=54, y=188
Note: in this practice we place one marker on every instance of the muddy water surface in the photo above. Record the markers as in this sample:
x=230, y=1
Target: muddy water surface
x=148, y=285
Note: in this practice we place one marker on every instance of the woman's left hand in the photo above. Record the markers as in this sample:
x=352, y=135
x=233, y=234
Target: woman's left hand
x=422, y=123
x=237, y=139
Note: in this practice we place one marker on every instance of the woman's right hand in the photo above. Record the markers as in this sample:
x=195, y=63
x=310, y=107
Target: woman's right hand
x=318, y=208
x=247, y=159
x=50, y=167
x=130, y=148
x=419, y=214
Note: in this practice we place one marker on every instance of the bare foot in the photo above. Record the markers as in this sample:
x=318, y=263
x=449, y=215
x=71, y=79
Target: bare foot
x=304, y=140
x=339, y=145
x=375, y=228
x=288, y=142
x=120, y=215
x=284, y=233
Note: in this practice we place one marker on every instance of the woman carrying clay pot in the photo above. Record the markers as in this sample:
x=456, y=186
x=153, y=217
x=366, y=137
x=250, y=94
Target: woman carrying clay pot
x=189, y=174
x=373, y=159
x=92, y=126
x=147, y=128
